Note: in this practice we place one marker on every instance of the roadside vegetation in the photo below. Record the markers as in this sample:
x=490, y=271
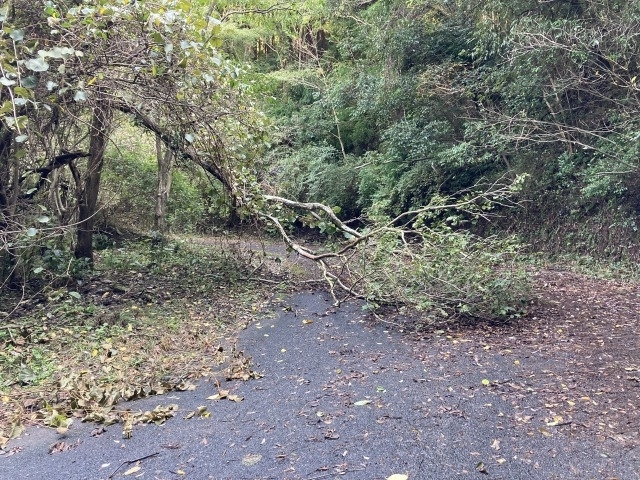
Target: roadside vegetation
x=148, y=319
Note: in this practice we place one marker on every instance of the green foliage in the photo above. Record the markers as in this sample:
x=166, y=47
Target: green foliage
x=447, y=273
x=429, y=97
x=160, y=64
x=130, y=190
x=317, y=173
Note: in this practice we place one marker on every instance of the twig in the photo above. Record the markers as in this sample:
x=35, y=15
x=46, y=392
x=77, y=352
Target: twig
x=325, y=475
x=129, y=462
x=262, y=280
x=254, y=270
x=389, y=322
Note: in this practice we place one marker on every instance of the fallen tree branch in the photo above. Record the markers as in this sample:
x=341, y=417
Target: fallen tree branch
x=408, y=260
x=314, y=207
x=178, y=149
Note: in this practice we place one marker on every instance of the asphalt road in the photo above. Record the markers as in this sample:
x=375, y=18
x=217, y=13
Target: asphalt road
x=342, y=397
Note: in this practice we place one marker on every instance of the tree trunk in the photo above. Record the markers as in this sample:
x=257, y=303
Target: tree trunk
x=88, y=188
x=17, y=274
x=234, y=219
x=165, y=161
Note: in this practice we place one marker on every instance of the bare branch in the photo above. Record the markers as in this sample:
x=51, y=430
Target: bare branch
x=314, y=207
x=260, y=11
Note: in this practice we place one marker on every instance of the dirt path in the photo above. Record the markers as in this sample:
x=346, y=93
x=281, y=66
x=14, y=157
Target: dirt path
x=343, y=396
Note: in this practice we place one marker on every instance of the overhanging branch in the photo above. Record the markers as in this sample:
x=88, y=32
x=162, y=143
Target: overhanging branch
x=56, y=162
x=178, y=150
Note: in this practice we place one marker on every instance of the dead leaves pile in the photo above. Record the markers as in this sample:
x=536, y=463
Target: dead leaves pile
x=152, y=357
x=88, y=397
x=240, y=367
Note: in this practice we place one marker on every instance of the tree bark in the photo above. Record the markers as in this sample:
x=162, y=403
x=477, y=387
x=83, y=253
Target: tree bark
x=87, y=188
x=165, y=160
x=16, y=279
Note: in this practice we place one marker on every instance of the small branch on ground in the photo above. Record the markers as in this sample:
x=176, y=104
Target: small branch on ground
x=129, y=462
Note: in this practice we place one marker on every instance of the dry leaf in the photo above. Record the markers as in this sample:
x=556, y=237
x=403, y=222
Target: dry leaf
x=219, y=396
x=251, y=459
x=62, y=447
x=132, y=470
x=127, y=428
x=556, y=420
x=96, y=432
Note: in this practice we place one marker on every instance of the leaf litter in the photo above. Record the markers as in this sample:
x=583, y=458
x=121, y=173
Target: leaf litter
x=129, y=333
x=576, y=342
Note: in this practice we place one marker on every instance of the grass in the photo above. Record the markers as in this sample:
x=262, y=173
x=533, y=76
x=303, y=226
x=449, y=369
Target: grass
x=150, y=318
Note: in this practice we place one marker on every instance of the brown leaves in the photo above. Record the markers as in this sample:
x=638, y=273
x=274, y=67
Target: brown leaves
x=132, y=470
x=10, y=451
x=15, y=430
x=240, y=367
x=134, y=339
x=198, y=412
x=158, y=415
x=127, y=428
x=224, y=394
x=251, y=459
x=331, y=435
x=62, y=447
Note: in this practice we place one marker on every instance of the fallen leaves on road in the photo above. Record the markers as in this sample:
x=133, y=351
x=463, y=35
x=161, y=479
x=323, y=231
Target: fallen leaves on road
x=398, y=476
x=132, y=470
x=62, y=447
x=224, y=394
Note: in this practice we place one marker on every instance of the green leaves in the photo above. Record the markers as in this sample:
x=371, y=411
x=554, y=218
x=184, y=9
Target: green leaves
x=59, y=52
x=17, y=35
x=38, y=64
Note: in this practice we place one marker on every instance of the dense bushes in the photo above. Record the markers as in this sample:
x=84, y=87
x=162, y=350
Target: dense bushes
x=410, y=99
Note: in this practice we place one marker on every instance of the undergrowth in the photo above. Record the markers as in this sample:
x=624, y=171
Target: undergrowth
x=626, y=270
x=150, y=318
